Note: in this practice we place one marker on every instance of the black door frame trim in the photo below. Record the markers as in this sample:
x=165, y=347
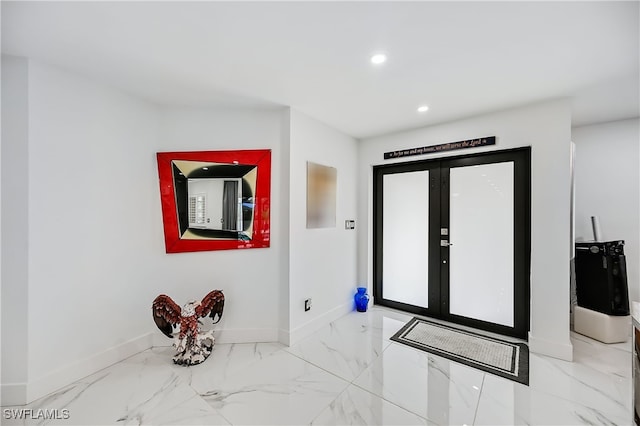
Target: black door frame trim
x=439, y=204
x=434, y=245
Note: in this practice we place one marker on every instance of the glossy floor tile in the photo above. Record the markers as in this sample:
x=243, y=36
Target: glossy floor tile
x=349, y=372
x=140, y=390
x=434, y=388
x=504, y=402
x=280, y=389
x=356, y=406
x=350, y=344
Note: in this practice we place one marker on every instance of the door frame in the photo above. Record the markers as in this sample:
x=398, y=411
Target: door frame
x=438, y=306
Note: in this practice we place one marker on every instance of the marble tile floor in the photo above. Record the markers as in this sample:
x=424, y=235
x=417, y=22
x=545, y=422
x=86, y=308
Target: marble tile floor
x=347, y=373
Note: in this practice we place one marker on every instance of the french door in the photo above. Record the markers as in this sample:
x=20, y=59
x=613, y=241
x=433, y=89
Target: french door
x=452, y=239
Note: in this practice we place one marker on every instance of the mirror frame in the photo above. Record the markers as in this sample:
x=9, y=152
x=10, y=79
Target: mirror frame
x=261, y=216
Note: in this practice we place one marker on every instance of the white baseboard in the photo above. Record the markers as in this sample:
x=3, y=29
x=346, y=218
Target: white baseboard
x=293, y=336
x=243, y=335
x=284, y=337
x=552, y=349
x=13, y=394
x=25, y=393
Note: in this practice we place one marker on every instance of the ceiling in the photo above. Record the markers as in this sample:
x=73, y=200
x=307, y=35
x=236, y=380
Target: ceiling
x=459, y=58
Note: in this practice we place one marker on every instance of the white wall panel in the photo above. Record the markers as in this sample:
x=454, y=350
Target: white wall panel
x=607, y=186
x=323, y=261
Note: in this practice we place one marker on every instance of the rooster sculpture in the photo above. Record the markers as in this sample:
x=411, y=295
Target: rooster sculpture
x=192, y=345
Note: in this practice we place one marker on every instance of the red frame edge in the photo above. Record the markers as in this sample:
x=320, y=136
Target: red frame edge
x=261, y=236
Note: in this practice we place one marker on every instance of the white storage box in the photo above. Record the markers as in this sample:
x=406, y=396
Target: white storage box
x=602, y=327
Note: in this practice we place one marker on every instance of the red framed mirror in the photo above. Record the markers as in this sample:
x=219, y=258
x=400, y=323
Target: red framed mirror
x=215, y=200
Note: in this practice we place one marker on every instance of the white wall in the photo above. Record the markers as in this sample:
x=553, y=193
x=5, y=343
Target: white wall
x=322, y=261
x=546, y=128
x=15, y=228
x=93, y=224
x=86, y=239
x=608, y=186
x=251, y=278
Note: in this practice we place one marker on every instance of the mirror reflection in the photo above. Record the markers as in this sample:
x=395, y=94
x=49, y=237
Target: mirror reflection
x=214, y=200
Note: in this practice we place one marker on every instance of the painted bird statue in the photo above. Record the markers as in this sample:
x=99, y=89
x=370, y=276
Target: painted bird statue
x=192, y=345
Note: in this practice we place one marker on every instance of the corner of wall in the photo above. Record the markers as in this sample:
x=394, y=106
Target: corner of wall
x=310, y=327
x=15, y=226
x=285, y=189
x=552, y=349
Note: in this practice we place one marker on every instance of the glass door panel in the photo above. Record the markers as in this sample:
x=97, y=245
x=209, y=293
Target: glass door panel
x=405, y=232
x=451, y=239
x=481, y=234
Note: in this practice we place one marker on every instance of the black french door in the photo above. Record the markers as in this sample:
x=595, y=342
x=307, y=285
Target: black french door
x=452, y=239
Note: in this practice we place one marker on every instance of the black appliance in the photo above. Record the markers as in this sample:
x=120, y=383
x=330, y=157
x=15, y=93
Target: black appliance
x=601, y=277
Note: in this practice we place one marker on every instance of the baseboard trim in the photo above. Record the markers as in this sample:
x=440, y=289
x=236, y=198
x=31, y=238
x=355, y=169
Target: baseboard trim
x=549, y=348
x=241, y=335
x=284, y=337
x=310, y=327
x=13, y=394
x=21, y=394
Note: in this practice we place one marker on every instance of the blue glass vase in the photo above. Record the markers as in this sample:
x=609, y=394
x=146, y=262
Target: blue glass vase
x=362, y=299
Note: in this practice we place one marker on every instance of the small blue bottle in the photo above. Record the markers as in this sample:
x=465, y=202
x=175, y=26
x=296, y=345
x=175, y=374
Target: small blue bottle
x=362, y=299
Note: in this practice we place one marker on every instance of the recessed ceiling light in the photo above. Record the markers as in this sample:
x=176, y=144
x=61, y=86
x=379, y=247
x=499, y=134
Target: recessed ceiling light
x=205, y=168
x=423, y=108
x=378, y=59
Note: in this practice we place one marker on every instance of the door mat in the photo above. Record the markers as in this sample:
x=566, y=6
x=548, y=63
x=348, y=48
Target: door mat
x=495, y=356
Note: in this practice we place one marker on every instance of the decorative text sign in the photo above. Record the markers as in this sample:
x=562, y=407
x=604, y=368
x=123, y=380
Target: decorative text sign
x=471, y=143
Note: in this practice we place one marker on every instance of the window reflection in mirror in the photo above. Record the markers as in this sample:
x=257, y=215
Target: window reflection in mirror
x=214, y=200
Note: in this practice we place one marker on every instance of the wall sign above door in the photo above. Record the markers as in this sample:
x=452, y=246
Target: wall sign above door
x=471, y=143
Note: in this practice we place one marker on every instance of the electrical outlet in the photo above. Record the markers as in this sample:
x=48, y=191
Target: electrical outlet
x=307, y=305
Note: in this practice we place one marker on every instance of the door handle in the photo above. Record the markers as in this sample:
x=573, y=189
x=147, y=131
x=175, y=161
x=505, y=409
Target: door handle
x=445, y=243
